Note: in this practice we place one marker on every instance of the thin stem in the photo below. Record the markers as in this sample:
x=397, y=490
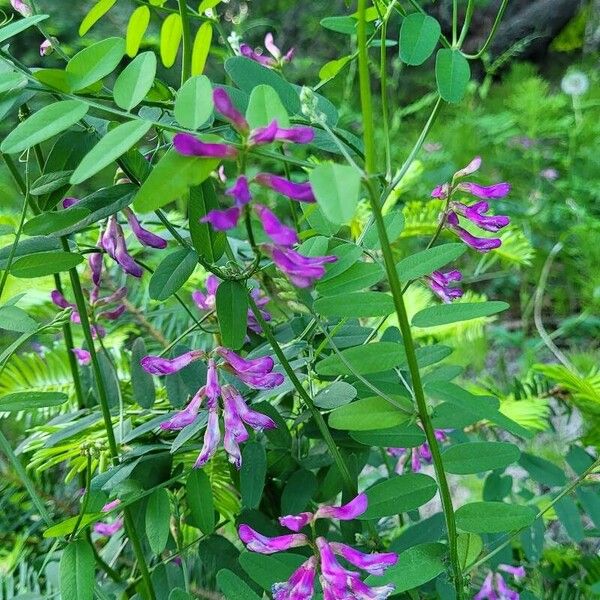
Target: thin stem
x=86, y=498
x=385, y=114
x=186, y=63
x=317, y=416
x=6, y=448
x=466, y=23
x=454, y=22
x=492, y=33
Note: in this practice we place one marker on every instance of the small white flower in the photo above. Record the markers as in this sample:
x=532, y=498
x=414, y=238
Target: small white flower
x=575, y=83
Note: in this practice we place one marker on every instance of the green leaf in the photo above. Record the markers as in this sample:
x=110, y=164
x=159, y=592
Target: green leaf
x=201, y=48
x=415, y=566
x=543, y=470
x=77, y=571
x=13, y=318
x=10, y=81
x=17, y=27
x=399, y=494
x=316, y=219
x=425, y=262
x=493, y=517
x=337, y=394
x=406, y=435
x=50, y=222
x=50, y=182
x=394, y=224
x=419, y=36
x=95, y=62
x=27, y=247
x=232, y=312
x=247, y=74
x=136, y=28
x=347, y=256
x=136, y=80
x=469, y=546
x=342, y=24
x=265, y=106
x=332, y=68
x=369, y=413
x=142, y=383
x=95, y=14
x=359, y=276
x=44, y=124
x=252, y=474
x=44, y=263
x=459, y=311
x=298, y=491
x=200, y=500
x=233, y=586
x=356, y=304
x=172, y=273
x=31, y=400
x=371, y=358
x=337, y=190
x=194, y=102
x=452, y=73
x=477, y=457
x=158, y=520
x=209, y=243
x=113, y=145
x=66, y=527
x=171, y=33
x=267, y=570
x=161, y=187
x=568, y=514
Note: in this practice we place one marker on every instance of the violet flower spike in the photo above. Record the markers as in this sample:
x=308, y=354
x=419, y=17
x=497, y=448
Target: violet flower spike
x=375, y=563
x=185, y=417
x=440, y=284
x=296, y=191
x=479, y=244
x=95, y=264
x=346, y=512
x=475, y=214
x=299, y=134
x=505, y=592
x=83, y=356
x=248, y=52
x=296, y=522
x=188, y=145
x=156, y=365
x=108, y=240
x=123, y=257
x=212, y=436
x=254, y=419
x=498, y=190
x=261, y=365
x=300, y=585
x=302, y=271
x=274, y=228
x=240, y=191
x=110, y=505
x=59, y=300
x=225, y=106
x=145, y=237
x=262, y=544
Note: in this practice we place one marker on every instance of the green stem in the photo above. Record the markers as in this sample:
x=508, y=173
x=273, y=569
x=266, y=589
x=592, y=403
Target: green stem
x=186, y=66
x=317, y=416
x=385, y=113
x=466, y=23
x=6, y=448
x=454, y=22
x=492, y=33
x=105, y=408
x=86, y=498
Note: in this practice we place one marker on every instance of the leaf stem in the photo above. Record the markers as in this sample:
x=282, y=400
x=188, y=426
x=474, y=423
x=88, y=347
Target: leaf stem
x=186, y=63
x=492, y=33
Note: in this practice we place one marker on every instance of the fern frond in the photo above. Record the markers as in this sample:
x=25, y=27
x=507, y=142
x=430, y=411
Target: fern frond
x=421, y=218
x=532, y=413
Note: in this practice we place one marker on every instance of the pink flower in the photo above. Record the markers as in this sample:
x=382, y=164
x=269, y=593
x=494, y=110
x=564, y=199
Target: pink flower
x=108, y=529
x=212, y=436
x=145, y=237
x=225, y=106
x=46, y=48
x=296, y=522
x=186, y=416
x=300, y=585
x=469, y=169
x=83, y=356
x=347, y=512
x=262, y=544
x=274, y=228
x=207, y=301
x=240, y=191
x=22, y=8
x=223, y=220
x=476, y=214
x=277, y=58
x=296, y=191
x=498, y=190
x=375, y=563
x=188, y=145
x=272, y=132
x=302, y=271
x=479, y=244
x=440, y=284
x=156, y=365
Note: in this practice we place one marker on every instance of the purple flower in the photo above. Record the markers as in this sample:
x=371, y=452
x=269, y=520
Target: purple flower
x=110, y=505
x=95, y=264
x=83, y=356
x=272, y=132
x=440, y=284
x=207, y=301
x=156, y=365
x=418, y=456
x=222, y=220
x=212, y=388
x=274, y=228
x=476, y=214
x=22, y=8
x=265, y=135
x=469, y=169
x=302, y=271
x=494, y=586
x=262, y=544
x=297, y=191
x=186, y=416
x=441, y=191
x=225, y=106
x=296, y=522
x=59, y=300
x=145, y=237
x=498, y=190
x=240, y=191
x=188, y=145
x=212, y=436
x=517, y=572
x=300, y=585
x=252, y=418
x=261, y=300
x=70, y=201
x=375, y=563
x=278, y=58
x=256, y=373
x=108, y=529
x=46, y=48
x=347, y=512
x=479, y=244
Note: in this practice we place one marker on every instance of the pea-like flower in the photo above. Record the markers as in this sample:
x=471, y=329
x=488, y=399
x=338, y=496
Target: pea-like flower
x=21, y=7
x=109, y=528
x=46, y=48
x=419, y=456
x=440, y=284
x=336, y=581
x=495, y=587
x=256, y=373
x=277, y=58
x=301, y=270
x=296, y=191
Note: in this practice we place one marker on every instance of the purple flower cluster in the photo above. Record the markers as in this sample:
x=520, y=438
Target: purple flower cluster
x=418, y=456
x=277, y=58
x=440, y=284
x=108, y=528
x=301, y=270
x=495, y=587
x=207, y=301
x=108, y=313
x=112, y=241
x=336, y=581
x=255, y=373
x=475, y=213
